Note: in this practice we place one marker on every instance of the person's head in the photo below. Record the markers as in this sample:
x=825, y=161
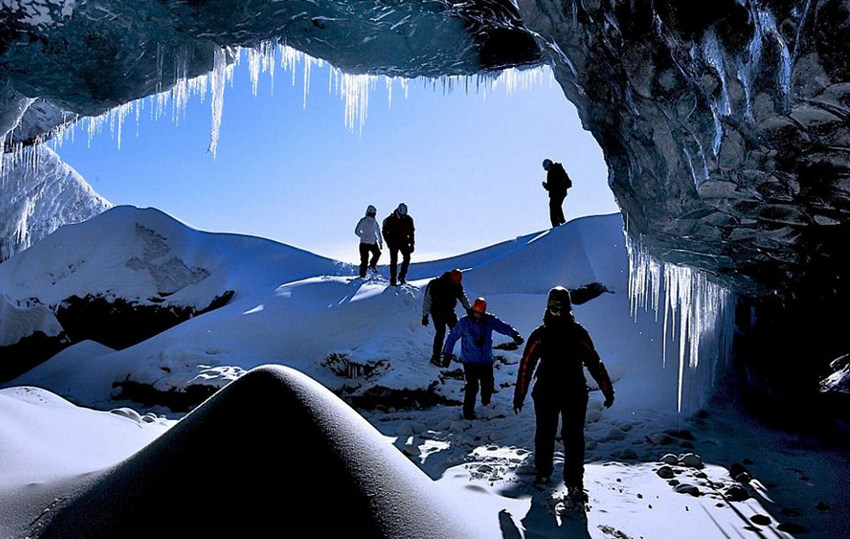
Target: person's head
x=547, y=163
x=479, y=307
x=558, y=303
x=402, y=209
x=371, y=211
x=455, y=276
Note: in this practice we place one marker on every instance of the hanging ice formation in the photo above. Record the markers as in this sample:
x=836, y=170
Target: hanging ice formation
x=696, y=310
x=353, y=90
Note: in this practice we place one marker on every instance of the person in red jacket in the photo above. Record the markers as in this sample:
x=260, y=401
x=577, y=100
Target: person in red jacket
x=562, y=347
x=440, y=300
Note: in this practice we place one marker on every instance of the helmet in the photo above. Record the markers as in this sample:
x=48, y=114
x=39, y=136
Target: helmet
x=479, y=305
x=370, y=210
x=402, y=209
x=455, y=276
x=559, y=299
x=547, y=163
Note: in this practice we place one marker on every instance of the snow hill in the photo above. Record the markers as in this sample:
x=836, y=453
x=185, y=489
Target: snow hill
x=364, y=340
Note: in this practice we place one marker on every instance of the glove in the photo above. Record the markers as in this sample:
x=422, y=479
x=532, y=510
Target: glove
x=425, y=320
x=411, y=247
x=447, y=359
x=517, y=407
x=518, y=339
x=609, y=400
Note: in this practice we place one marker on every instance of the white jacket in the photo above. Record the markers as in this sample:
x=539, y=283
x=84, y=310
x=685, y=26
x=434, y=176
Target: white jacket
x=368, y=231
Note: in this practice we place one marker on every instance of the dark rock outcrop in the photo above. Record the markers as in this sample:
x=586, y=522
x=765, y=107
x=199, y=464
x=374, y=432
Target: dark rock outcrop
x=280, y=452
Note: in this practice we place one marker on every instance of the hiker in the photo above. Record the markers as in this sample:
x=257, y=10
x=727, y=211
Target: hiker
x=440, y=298
x=562, y=346
x=475, y=330
x=557, y=182
x=370, y=240
x=398, y=233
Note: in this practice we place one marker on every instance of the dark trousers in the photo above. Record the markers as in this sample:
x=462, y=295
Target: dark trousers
x=440, y=323
x=365, y=249
x=405, y=262
x=572, y=413
x=476, y=374
x=556, y=212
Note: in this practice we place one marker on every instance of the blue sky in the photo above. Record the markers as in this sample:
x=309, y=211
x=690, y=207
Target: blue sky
x=467, y=164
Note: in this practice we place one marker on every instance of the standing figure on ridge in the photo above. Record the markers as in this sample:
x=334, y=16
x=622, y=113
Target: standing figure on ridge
x=398, y=233
x=476, y=333
x=563, y=347
x=557, y=182
x=439, y=300
x=369, y=232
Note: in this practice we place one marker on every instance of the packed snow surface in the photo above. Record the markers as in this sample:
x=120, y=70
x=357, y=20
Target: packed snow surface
x=364, y=340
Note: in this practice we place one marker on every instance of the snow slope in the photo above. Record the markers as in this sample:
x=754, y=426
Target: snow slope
x=296, y=309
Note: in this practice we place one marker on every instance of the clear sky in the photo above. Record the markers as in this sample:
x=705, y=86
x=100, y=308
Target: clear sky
x=467, y=164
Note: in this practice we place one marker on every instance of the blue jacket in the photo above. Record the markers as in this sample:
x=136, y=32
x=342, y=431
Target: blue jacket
x=477, y=344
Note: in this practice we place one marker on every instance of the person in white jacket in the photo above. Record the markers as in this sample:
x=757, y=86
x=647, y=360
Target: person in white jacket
x=371, y=242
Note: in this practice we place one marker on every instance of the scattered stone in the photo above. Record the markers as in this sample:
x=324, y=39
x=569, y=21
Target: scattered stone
x=615, y=434
x=691, y=460
x=700, y=475
x=665, y=472
x=739, y=473
x=485, y=468
x=761, y=520
x=736, y=493
x=670, y=458
x=686, y=488
x=822, y=507
x=129, y=413
x=673, y=482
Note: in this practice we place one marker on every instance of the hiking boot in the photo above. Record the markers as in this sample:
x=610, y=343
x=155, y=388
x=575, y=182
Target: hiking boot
x=540, y=480
x=575, y=496
x=435, y=360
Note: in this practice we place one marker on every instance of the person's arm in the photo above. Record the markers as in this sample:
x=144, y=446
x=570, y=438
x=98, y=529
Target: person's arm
x=597, y=369
x=358, y=230
x=527, y=364
x=464, y=300
x=378, y=234
x=412, y=239
x=426, y=304
x=500, y=326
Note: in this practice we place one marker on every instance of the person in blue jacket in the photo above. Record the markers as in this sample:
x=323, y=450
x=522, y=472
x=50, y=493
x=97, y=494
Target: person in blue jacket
x=475, y=330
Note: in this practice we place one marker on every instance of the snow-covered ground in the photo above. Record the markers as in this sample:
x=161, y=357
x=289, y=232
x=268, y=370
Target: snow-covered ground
x=364, y=340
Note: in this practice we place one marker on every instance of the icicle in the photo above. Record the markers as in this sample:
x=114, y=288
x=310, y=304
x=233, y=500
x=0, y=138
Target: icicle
x=217, y=102
x=702, y=310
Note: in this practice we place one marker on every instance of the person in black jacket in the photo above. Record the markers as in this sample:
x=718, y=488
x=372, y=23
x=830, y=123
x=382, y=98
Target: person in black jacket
x=398, y=234
x=439, y=301
x=562, y=347
x=557, y=182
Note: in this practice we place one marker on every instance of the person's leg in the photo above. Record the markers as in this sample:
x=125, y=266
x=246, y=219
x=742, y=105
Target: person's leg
x=471, y=373
x=393, y=265
x=572, y=432
x=376, y=254
x=546, y=419
x=487, y=383
x=440, y=327
x=560, y=211
x=405, y=262
x=364, y=255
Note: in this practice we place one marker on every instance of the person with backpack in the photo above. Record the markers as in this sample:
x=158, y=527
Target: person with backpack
x=398, y=233
x=475, y=331
x=370, y=240
x=557, y=182
x=439, y=300
x=562, y=347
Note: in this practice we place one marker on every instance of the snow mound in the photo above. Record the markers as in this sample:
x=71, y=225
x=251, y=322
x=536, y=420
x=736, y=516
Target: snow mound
x=328, y=447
